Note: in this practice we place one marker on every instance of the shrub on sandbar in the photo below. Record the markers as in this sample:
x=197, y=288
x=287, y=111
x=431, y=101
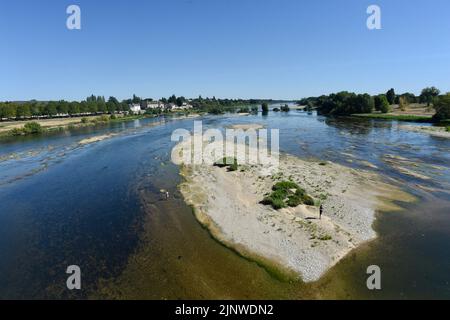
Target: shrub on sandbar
x=287, y=193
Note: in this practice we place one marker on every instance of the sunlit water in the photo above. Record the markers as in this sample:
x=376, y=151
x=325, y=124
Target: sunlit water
x=97, y=205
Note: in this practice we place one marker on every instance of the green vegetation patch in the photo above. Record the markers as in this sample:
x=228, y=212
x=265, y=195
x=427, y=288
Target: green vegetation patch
x=29, y=128
x=227, y=162
x=287, y=193
x=405, y=117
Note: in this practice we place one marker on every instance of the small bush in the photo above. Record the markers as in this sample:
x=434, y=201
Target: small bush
x=103, y=118
x=447, y=129
x=32, y=128
x=279, y=194
x=294, y=201
x=84, y=120
x=285, y=108
x=283, y=195
x=225, y=162
x=278, y=204
x=285, y=185
x=234, y=166
x=307, y=200
x=113, y=117
x=229, y=162
x=16, y=132
x=325, y=237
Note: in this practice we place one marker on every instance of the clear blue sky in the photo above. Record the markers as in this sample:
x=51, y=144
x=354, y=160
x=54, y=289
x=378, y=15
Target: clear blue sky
x=227, y=48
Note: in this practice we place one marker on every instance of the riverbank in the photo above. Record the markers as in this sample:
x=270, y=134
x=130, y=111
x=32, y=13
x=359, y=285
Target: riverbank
x=291, y=243
x=17, y=128
x=398, y=117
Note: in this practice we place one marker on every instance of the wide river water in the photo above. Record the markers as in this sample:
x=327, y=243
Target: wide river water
x=100, y=206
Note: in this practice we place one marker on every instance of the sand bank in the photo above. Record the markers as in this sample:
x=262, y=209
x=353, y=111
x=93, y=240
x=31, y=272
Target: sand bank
x=292, y=242
x=96, y=139
x=433, y=131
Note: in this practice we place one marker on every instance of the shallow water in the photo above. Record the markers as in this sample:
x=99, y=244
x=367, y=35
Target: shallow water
x=99, y=206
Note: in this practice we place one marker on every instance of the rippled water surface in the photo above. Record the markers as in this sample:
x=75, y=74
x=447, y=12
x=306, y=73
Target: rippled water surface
x=100, y=206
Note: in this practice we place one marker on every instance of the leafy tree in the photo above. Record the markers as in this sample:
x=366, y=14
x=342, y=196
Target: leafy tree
x=51, y=109
x=23, y=110
x=390, y=95
x=172, y=99
x=265, y=107
x=74, y=108
x=111, y=107
x=136, y=99
x=428, y=94
x=384, y=106
x=7, y=111
x=179, y=101
x=62, y=107
x=442, y=107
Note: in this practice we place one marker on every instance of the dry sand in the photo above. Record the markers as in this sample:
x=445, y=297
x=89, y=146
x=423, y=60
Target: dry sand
x=291, y=242
x=433, y=131
x=96, y=138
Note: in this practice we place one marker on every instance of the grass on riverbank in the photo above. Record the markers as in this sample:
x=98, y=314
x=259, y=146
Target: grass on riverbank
x=38, y=127
x=403, y=117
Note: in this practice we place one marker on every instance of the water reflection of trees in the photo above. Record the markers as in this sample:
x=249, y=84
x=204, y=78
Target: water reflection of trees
x=356, y=126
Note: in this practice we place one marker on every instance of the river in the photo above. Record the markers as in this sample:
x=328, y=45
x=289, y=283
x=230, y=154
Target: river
x=100, y=206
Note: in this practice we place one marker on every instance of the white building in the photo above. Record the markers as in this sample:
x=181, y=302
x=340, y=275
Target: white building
x=135, y=108
x=155, y=105
x=184, y=106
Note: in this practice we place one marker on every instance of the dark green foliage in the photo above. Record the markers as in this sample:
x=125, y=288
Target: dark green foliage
x=442, y=107
x=229, y=162
x=92, y=105
x=29, y=128
x=285, y=108
x=294, y=200
x=278, y=204
x=233, y=166
x=32, y=128
x=224, y=162
x=344, y=103
x=382, y=104
x=287, y=193
x=307, y=200
x=285, y=185
x=428, y=94
x=390, y=95
x=265, y=107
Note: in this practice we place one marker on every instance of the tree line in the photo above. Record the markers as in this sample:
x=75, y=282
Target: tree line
x=347, y=103
x=48, y=109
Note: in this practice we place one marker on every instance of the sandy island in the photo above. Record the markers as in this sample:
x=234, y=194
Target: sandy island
x=433, y=131
x=292, y=242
